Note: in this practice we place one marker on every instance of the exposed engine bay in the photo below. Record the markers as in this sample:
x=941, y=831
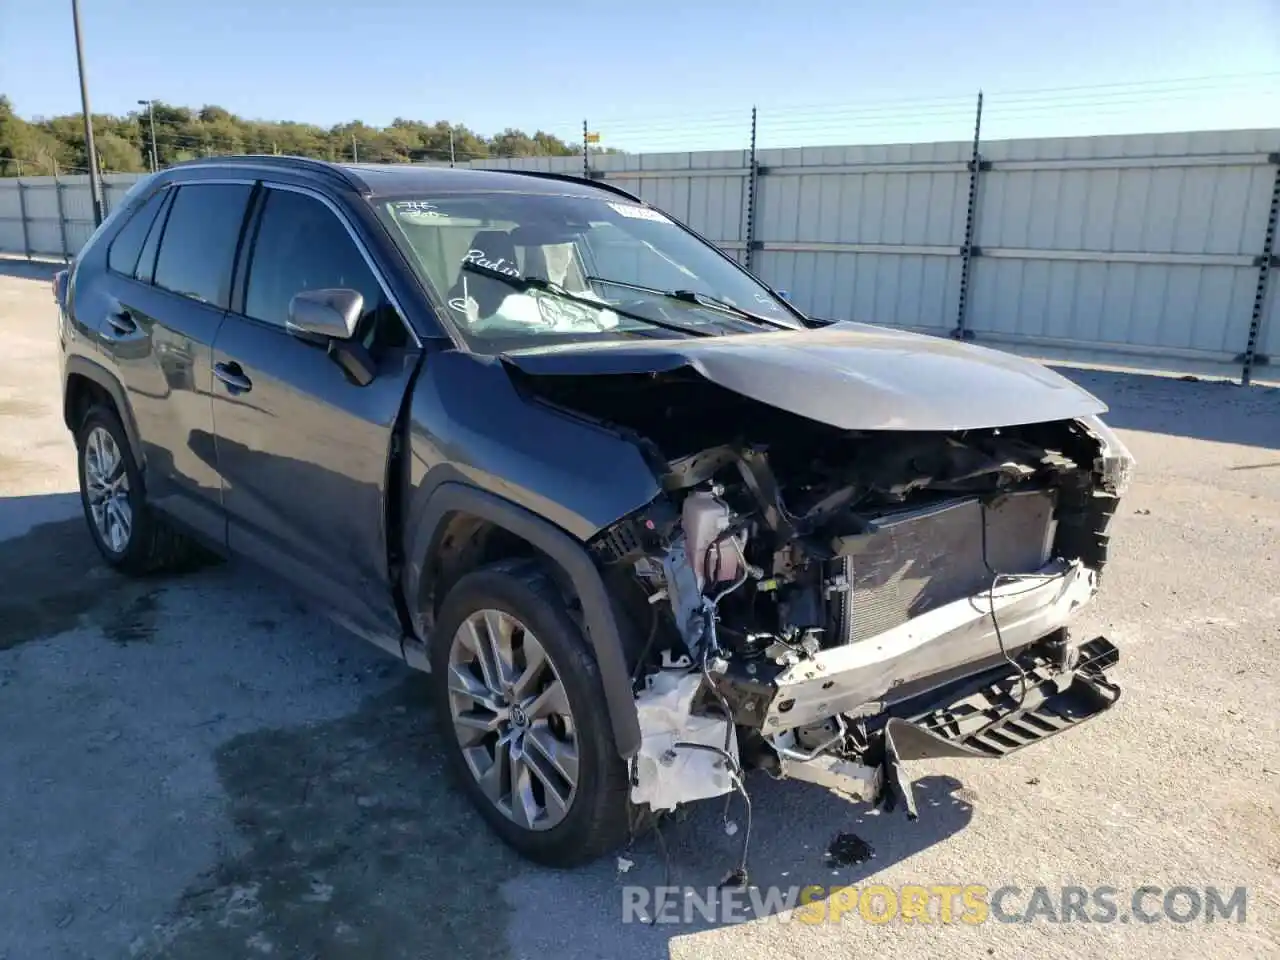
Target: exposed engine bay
x=825, y=603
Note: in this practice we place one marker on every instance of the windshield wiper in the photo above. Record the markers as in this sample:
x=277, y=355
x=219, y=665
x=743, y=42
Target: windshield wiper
x=697, y=299
x=522, y=283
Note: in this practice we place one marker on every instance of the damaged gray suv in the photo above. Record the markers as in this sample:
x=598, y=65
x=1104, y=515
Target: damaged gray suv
x=646, y=525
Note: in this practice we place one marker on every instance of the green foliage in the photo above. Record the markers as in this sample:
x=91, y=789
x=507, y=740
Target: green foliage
x=53, y=145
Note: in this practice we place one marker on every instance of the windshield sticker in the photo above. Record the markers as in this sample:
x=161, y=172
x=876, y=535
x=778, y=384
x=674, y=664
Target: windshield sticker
x=419, y=208
x=633, y=212
x=501, y=265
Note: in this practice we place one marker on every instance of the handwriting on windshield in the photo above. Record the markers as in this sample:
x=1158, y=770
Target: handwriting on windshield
x=501, y=265
x=419, y=208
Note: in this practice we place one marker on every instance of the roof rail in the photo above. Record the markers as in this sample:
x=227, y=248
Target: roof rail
x=277, y=160
x=547, y=175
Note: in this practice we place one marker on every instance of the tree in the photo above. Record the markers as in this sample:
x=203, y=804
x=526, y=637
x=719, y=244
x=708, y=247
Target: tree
x=25, y=149
x=181, y=133
x=552, y=146
x=513, y=143
x=117, y=155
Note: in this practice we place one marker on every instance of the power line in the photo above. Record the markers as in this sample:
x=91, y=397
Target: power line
x=960, y=100
x=777, y=119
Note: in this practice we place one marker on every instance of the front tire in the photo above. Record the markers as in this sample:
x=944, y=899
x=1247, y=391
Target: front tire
x=125, y=530
x=521, y=708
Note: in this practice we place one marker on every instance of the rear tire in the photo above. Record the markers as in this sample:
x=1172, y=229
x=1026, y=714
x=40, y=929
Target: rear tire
x=130, y=536
x=497, y=740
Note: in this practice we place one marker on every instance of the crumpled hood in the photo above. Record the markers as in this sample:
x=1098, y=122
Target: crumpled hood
x=850, y=375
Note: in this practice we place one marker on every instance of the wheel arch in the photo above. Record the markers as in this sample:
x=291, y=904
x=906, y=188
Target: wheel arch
x=451, y=510
x=86, y=383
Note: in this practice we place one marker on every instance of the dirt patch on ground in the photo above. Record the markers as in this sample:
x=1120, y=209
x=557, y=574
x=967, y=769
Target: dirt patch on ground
x=351, y=849
x=18, y=407
x=53, y=576
x=11, y=466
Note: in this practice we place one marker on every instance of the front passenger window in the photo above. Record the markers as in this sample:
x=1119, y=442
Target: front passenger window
x=301, y=245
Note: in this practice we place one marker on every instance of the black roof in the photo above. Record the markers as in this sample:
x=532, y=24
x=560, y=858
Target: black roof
x=381, y=179
x=385, y=178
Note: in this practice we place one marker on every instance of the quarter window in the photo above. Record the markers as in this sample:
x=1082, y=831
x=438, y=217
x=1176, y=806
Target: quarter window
x=147, y=261
x=122, y=256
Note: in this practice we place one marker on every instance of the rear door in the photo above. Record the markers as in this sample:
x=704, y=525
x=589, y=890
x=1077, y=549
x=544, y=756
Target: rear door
x=303, y=451
x=170, y=279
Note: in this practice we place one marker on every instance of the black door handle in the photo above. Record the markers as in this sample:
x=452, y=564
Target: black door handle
x=122, y=323
x=233, y=376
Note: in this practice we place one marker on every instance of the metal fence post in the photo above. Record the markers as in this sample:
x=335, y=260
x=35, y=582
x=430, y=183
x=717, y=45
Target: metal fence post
x=1251, y=357
x=968, y=251
x=22, y=215
x=753, y=184
x=62, y=219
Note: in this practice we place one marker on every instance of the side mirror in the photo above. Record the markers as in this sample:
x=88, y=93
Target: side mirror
x=332, y=314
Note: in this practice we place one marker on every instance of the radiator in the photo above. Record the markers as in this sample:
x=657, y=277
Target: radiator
x=915, y=560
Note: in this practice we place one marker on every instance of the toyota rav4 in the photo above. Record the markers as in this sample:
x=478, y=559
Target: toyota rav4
x=646, y=525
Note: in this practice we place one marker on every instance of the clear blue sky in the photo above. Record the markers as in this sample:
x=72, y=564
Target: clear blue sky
x=666, y=73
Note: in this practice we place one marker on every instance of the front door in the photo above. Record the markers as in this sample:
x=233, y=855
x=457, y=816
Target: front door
x=303, y=451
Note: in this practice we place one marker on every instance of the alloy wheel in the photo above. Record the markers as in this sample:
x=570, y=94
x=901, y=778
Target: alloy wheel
x=512, y=719
x=107, y=488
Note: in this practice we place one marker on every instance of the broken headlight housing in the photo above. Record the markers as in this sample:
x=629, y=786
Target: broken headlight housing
x=1114, y=463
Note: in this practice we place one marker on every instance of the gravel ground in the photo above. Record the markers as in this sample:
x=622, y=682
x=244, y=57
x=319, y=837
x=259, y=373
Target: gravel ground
x=201, y=767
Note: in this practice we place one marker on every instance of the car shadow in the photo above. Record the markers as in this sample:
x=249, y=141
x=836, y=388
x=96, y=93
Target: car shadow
x=20, y=514
x=670, y=882
x=1216, y=410
x=346, y=838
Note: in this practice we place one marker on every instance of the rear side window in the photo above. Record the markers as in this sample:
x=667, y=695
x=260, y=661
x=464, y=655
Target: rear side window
x=147, y=262
x=199, y=242
x=122, y=256
x=302, y=245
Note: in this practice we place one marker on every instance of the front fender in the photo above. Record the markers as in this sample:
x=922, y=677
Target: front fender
x=599, y=619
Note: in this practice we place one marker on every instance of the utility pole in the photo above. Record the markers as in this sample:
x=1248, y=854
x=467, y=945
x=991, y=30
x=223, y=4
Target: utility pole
x=91, y=152
x=451, y=146
x=355, y=152
x=151, y=120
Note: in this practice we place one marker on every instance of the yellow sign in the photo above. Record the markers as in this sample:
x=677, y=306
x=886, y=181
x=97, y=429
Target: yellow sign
x=593, y=138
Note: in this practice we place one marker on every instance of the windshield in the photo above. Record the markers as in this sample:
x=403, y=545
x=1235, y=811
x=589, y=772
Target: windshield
x=527, y=270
